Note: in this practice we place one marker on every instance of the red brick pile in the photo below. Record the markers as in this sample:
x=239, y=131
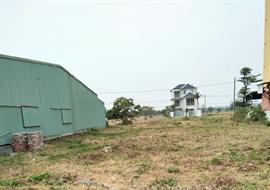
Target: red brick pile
x=28, y=141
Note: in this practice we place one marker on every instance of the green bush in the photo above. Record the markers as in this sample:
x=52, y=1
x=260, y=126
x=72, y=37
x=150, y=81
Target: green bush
x=241, y=114
x=257, y=114
x=185, y=118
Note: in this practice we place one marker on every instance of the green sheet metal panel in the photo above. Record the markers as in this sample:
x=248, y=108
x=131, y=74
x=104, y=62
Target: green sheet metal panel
x=30, y=117
x=66, y=116
x=86, y=107
x=10, y=122
x=27, y=83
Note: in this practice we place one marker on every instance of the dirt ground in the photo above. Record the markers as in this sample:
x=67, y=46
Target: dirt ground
x=209, y=152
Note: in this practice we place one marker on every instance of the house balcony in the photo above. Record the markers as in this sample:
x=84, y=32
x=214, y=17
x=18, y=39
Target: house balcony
x=176, y=98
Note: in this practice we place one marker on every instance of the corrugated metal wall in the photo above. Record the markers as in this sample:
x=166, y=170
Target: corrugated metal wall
x=38, y=96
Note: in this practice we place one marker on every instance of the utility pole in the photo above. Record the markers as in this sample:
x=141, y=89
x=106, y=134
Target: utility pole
x=204, y=103
x=234, y=89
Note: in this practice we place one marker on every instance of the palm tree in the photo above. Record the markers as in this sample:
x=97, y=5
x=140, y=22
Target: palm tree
x=197, y=95
x=186, y=110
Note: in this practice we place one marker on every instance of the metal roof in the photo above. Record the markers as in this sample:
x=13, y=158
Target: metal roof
x=179, y=86
x=189, y=95
x=183, y=86
x=187, y=86
x=43, y=63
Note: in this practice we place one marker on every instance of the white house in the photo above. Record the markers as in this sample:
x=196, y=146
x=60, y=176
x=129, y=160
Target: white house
x=183, y=98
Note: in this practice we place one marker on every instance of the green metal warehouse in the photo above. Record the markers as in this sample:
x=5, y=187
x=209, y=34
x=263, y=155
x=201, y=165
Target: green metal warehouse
x=39, y=96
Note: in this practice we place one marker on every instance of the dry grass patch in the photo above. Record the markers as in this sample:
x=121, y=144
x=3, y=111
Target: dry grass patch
x=211, y=152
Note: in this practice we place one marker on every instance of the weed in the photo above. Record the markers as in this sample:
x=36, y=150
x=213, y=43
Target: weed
x=164, y=182
x=6, y=162
x=185, y=118
x=144, y=167
x=12, y=183
x=43, y=154
x=38, y=178
x=173, y=170
x=149, y=148
x=93, y=132
x=56, y=157
x=79, y=147
x=177, y=123
x=218, y=173
x=216, y=161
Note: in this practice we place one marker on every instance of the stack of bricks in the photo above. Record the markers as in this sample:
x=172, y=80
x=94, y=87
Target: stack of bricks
x=35, y=141
x=28, y=141
x=20, y=141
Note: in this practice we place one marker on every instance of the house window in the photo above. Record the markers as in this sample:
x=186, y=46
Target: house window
x=177, y=103
x=176, y=94
x=185, y=92
x=190, y=101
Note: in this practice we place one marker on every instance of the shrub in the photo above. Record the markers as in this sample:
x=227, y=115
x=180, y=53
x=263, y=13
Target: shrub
x=241, y=114
x=185, y=118
x=257, y=114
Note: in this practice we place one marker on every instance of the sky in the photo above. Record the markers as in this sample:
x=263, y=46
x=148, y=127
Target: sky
x=140, y=49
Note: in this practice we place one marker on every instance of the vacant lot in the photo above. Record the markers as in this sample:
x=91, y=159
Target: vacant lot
x=211, y=152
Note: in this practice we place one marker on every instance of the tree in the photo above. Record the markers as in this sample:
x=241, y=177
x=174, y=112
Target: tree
x=168, y=109
x=197, y=96
x=186, y=110
x=210, y=109
x=147, y=111
x=247, y=79
x=124, y=109
x=158, y=112
x=219, y=110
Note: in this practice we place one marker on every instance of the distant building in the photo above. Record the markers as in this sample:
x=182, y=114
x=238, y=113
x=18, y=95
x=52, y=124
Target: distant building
x=183, y=98
x=40, y=96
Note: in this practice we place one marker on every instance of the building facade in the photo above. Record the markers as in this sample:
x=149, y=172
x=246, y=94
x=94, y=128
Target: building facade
x=183, y=99
x=39, y=96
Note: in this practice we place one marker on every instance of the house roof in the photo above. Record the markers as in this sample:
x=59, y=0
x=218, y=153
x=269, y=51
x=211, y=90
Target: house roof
x=183, y=86
x=179, y=86
x=187, y=86
x=189, y=95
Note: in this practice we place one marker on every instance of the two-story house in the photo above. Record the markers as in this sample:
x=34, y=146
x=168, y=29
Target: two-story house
x=183, y=98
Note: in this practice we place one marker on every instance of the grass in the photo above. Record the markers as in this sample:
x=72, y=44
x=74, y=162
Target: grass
x=158, y=153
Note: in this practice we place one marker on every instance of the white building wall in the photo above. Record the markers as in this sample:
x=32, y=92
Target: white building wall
x=183, y=105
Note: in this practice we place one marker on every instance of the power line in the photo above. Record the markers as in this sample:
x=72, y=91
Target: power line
x=156, y=90
x=215, y=84
x=213, y=96
x=149, y=101
x=133, y=91
x=218, y=96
